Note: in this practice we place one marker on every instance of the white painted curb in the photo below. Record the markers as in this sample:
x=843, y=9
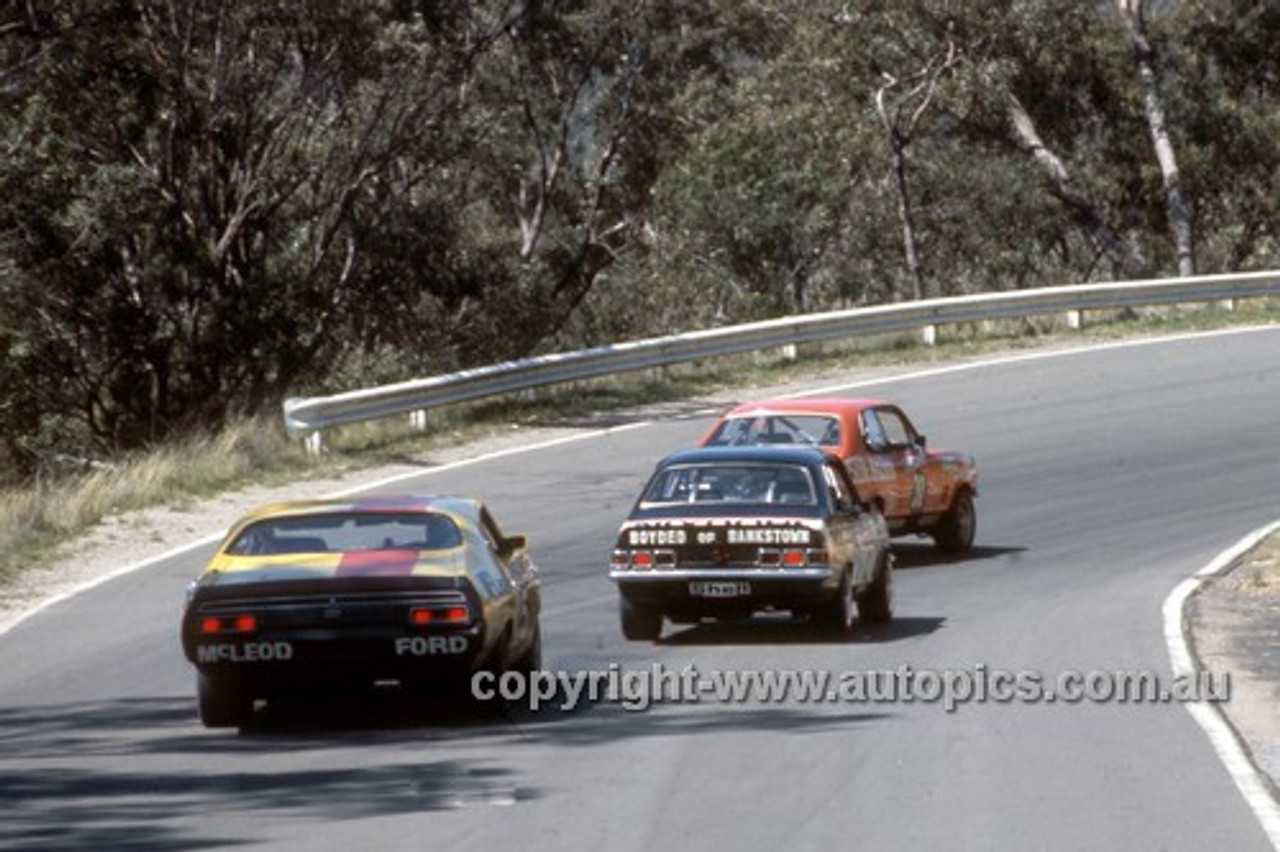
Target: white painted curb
x=1253, y=785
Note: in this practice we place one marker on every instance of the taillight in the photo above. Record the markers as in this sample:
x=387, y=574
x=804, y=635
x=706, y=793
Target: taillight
x=643, y=559
x=213, y=625
x=423, y=615
x=798, y=557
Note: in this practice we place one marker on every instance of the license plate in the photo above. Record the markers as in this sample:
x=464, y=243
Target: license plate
x=713, y=589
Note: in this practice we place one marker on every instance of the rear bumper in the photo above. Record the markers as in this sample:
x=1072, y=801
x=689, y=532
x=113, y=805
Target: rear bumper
x=816, y=573
x=291, y=658
x=314, y=632
x=673, y=591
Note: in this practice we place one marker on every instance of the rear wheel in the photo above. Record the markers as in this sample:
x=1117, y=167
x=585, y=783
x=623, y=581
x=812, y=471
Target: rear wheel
x=956, y=530
x=641, y=622
x=223, y=702
x=531, y=659
x=836, y=615
x=875, y=604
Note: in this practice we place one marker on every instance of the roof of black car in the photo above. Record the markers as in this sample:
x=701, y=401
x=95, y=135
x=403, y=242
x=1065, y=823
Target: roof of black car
x=755, y=453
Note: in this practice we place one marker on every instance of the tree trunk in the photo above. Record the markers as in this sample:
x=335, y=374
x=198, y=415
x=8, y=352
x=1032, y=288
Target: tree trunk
x=908, y=221
x=1121, y=251
x=1133, y=13
x=898, y=141
x=900, y=120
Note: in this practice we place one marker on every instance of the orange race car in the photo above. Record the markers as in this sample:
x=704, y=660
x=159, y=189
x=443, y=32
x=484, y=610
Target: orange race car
x=918, y=490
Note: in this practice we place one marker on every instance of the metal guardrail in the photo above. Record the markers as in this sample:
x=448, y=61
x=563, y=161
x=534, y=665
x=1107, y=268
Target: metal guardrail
x=307, y=417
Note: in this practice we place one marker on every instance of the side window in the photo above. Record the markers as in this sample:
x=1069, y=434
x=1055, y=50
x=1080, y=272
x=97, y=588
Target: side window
x=873, y=433
x=837, y=484
x=897, y=431
x=491, y=574
x=494, y=537
x=831, y=434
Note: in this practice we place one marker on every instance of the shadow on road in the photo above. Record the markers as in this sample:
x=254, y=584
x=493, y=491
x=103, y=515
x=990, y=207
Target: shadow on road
x=908, y=555
x=768, y=630
x=141, y=774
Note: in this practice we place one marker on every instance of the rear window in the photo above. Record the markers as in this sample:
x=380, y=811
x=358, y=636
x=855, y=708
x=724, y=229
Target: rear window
x=731, y=483
x=804, y=429
x=340, y=532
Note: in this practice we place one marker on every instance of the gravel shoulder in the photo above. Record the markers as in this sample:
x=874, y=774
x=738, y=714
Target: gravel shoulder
x=1234, y=620
x=128, y=539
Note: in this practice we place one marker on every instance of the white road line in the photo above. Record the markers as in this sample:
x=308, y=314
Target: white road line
x=511, y=451
x=1037, y=356
x=1229, y=749
x=911, y=375
x=596, y=433
x=103, y=578
x=1248, y=777
x=368, y=486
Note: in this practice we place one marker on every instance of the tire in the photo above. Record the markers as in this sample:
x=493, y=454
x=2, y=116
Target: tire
x=531, y=659
x=223, y=702
x=640, y=622
x=836, y=616
x=956, y=530
x=875, y=604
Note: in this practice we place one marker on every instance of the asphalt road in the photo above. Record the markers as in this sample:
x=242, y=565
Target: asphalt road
x=1108, y=477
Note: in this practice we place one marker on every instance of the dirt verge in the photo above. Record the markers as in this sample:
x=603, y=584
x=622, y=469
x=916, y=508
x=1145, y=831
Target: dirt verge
x=1234, y=620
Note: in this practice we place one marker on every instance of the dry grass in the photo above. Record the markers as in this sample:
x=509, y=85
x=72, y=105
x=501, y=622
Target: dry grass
x=37, y=518
x=34, y=520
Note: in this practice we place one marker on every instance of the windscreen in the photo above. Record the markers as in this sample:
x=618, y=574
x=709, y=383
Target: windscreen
x=341, y=532
x=804, y=429
x=732, y=483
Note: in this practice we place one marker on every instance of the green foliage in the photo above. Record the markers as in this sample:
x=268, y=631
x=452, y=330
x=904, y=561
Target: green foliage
x=207, y=206
x=1229, y=124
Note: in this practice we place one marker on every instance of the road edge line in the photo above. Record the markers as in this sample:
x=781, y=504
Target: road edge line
x=1226, y=742
x=909, y=375
x=214, y=538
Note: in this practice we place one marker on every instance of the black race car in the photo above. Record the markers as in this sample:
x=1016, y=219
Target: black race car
x=352, y=592
x=731, y=532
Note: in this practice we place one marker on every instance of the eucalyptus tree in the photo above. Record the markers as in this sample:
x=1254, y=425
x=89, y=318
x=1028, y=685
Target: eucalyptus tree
x=1221, y=81
x=591, y=103
x=753, y=218
x=1134, y=14
x=189, y=187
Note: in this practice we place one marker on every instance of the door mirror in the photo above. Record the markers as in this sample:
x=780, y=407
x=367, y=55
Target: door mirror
x=513, y=544
x=846, y=506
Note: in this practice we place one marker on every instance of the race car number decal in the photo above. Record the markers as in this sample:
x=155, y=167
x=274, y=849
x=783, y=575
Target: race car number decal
x=919, y=484
x=426, y=646
x=249, y=652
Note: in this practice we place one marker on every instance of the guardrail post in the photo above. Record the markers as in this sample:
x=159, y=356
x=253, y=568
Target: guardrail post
x=789, y=352
x=1228, y=305
x=314, y=442
x=929, y=335
x=1074, y=320
x=418, y=420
